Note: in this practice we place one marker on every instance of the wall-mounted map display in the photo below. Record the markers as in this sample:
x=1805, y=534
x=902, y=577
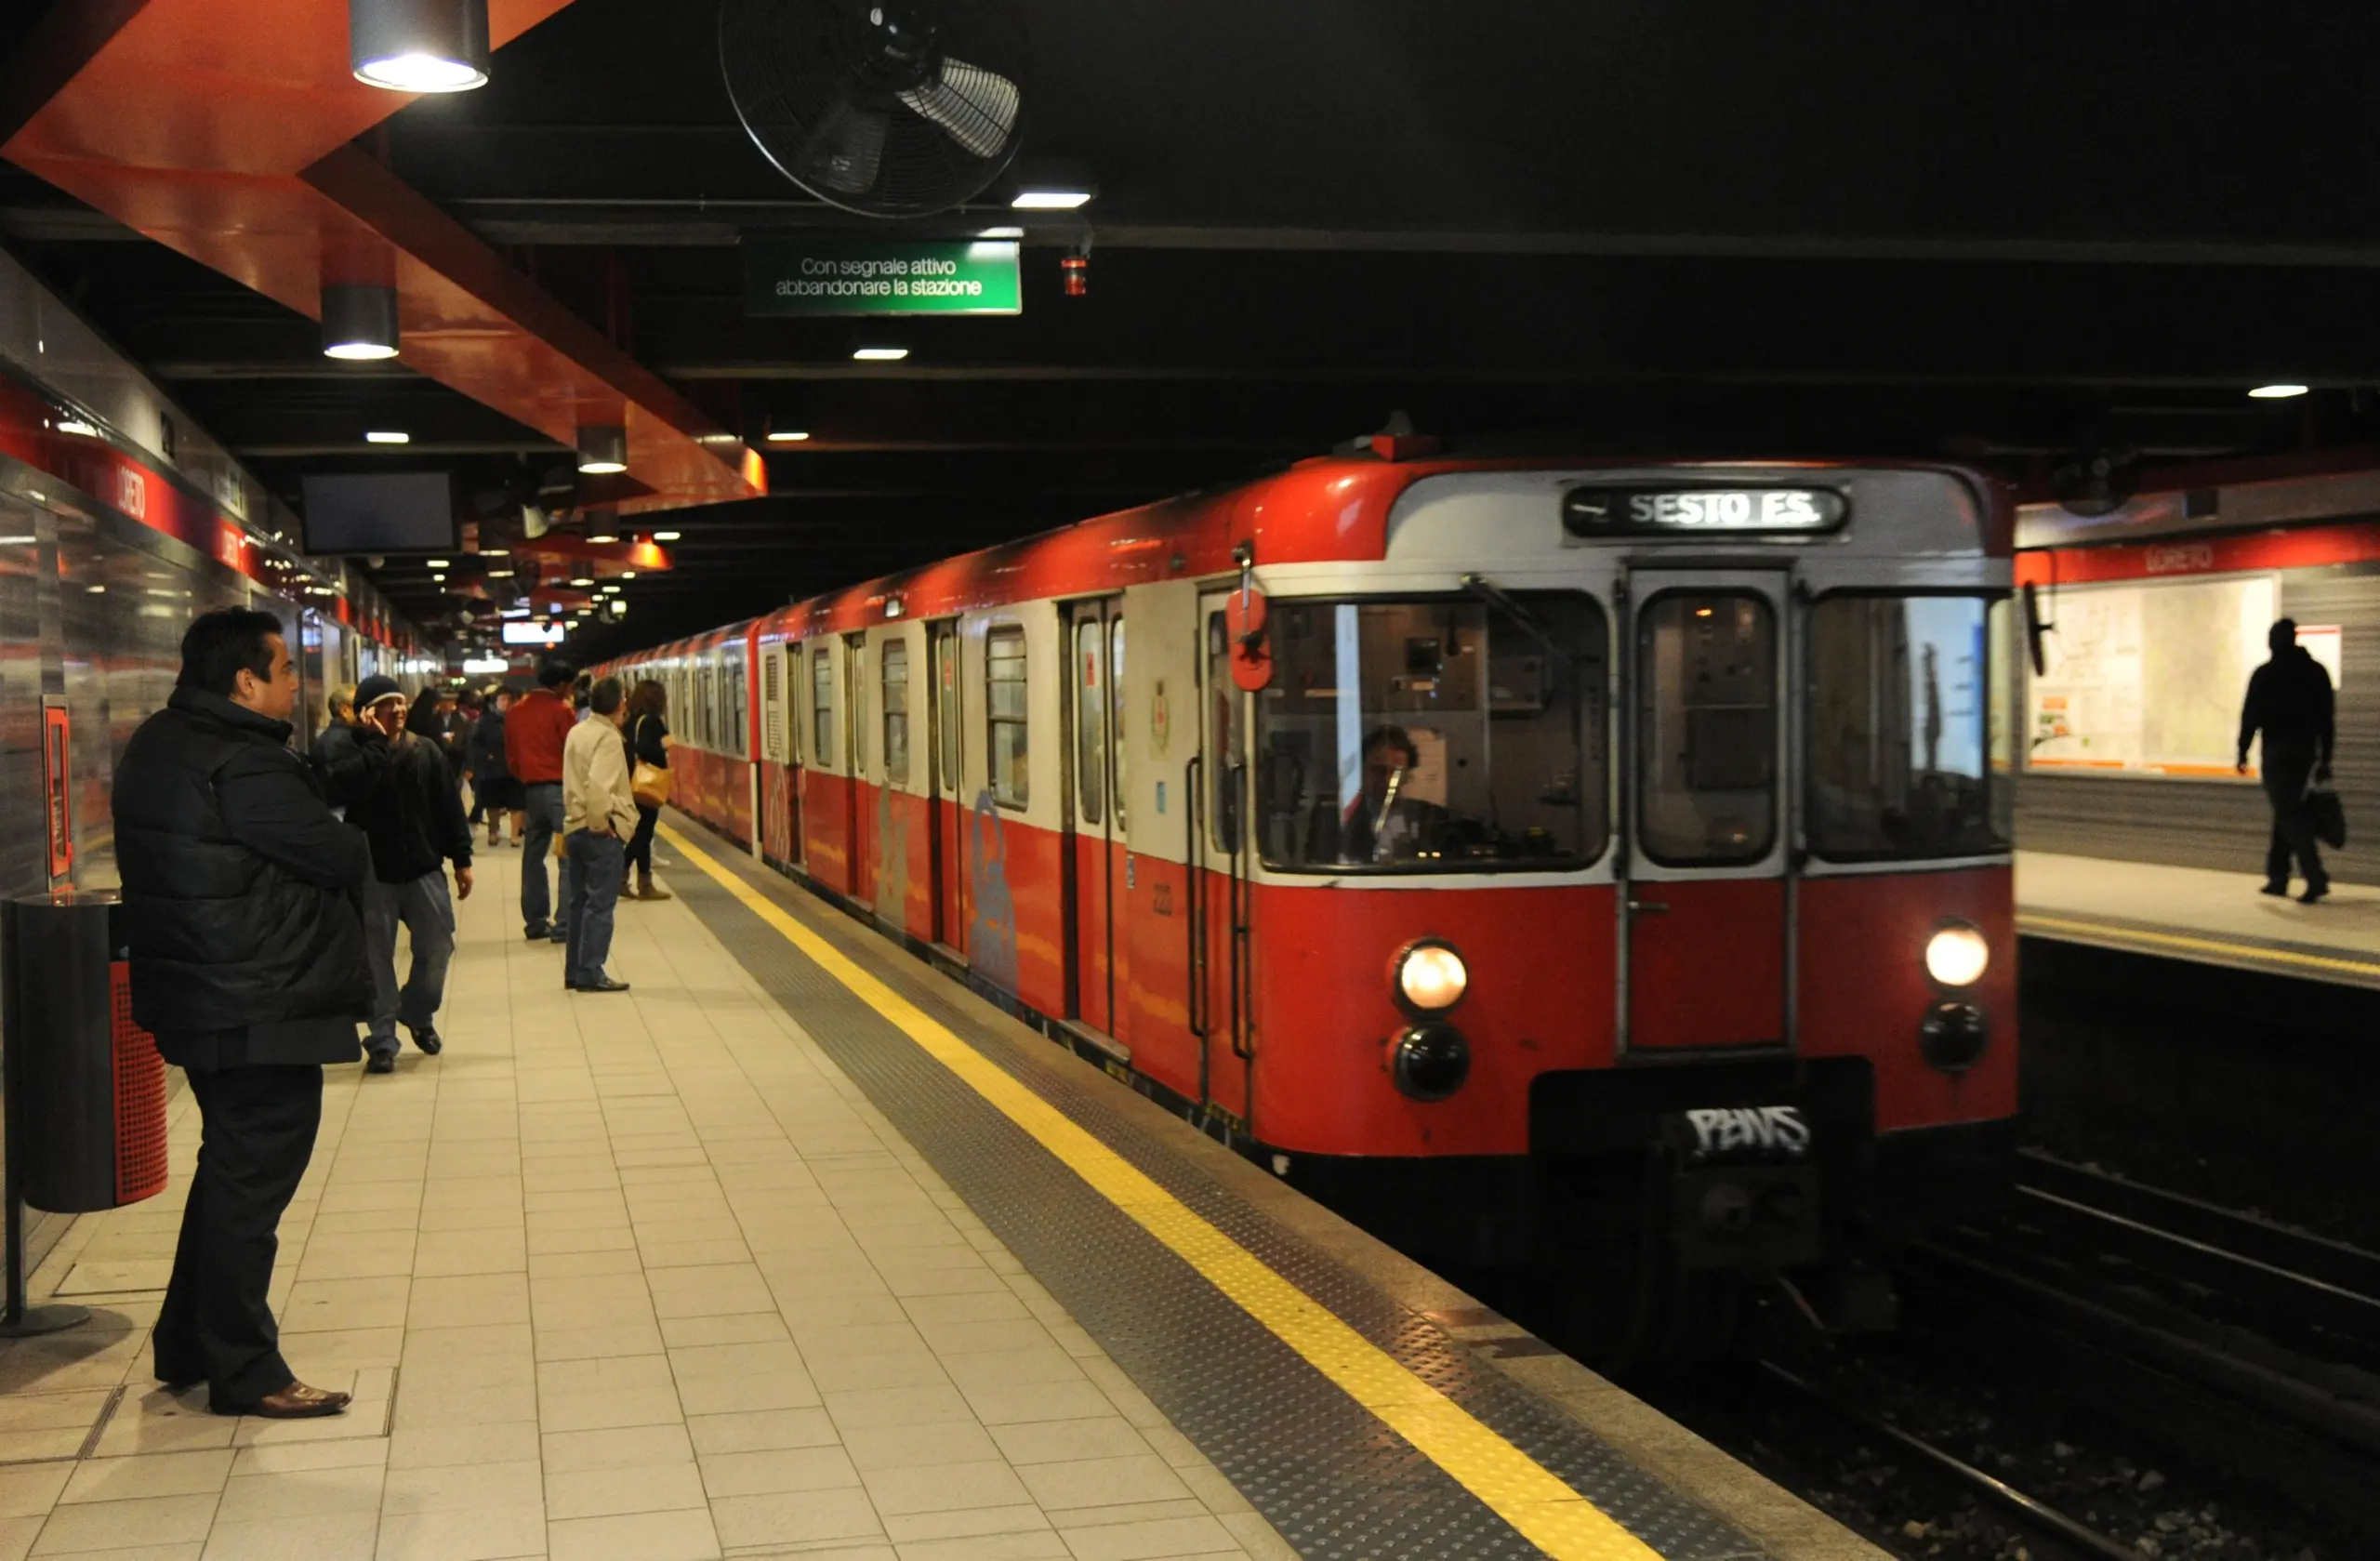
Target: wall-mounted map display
x=2146, y=679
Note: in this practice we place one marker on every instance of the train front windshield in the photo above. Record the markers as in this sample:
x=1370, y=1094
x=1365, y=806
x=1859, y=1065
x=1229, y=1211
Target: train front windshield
x=1433, y=735
x=1906, y=730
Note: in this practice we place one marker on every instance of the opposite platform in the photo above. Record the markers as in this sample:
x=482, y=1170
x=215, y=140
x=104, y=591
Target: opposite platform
x=2210, y=918
x=799, y=1249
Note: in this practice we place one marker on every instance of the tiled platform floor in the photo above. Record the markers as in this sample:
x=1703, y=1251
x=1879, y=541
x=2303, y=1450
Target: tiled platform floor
x=640, y=1277
x=2196, y=903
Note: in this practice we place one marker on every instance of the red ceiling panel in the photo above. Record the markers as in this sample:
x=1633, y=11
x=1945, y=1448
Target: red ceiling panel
x=224, y=129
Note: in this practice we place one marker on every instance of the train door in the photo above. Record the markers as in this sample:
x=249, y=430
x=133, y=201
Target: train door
x=1158, y=769
x=1095, y=821
x=1706, y=863
x=947, y=807
x=859, y=816
x=796, y=693
x=1220, y=855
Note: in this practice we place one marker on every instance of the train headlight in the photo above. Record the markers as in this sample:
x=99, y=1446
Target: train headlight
x=1431, y=978
x=1430, y=1062
x=1957, y=954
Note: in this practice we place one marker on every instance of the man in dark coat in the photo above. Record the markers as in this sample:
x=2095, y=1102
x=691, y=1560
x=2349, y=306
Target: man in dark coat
x=2291, y=703
x=247, y=966
x=413, y=818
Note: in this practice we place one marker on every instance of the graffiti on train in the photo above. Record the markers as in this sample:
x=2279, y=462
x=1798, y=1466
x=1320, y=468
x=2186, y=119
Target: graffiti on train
x=991, y=931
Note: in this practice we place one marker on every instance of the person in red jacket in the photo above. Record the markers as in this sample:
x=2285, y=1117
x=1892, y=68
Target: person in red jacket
x=533, y=733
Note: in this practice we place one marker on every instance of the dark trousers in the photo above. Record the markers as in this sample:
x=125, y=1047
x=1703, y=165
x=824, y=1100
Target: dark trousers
x=641, y=843
x=542, y=803
x=2286, y=772
x=257, y=1126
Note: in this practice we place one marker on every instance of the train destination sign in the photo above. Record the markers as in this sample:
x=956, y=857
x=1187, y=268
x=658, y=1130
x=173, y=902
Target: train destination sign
x=840, y=276
x=1634, y=511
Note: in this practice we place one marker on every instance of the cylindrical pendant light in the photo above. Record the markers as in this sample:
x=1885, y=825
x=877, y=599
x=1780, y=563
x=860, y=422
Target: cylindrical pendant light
x=419, y=46
x=359, y=321
x=603, y=448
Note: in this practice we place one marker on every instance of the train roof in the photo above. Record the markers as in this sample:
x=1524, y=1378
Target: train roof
x=1324, y=508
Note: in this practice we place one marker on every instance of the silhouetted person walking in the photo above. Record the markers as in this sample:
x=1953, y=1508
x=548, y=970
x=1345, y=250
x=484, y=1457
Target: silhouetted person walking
x=2290, y=702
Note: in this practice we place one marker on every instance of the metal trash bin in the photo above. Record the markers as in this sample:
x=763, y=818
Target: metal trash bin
x=86, y=1087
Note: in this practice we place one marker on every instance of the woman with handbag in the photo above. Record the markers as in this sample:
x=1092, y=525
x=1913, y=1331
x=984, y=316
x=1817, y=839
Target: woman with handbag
x=647, y=734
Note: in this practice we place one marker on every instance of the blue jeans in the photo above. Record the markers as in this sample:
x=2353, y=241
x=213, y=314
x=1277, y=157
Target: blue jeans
x=542, y=806
x=596, y=863
x=428, y=912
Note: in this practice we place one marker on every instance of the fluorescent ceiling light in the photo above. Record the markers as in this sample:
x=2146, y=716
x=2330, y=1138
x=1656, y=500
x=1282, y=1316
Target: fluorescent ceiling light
x=1050, y=200
x=667, y=536
x=582, y=582
x=606, y=537
x=496, y=552
x=789, y=436
x=1006, y=230
x=2276, y=392
x=438, y=564
x=874, y=356
x=627, y=574
x=437, y=577
x=499, y=573
x=97, y=590
x=388, y=436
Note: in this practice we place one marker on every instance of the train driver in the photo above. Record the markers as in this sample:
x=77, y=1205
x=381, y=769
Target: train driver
x=1387, y=822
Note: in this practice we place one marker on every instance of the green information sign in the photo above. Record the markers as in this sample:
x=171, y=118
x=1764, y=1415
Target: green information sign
x=881, y=276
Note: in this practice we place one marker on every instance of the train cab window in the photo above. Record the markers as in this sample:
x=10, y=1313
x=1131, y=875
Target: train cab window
x=1091, y=725
x=1007, y=727
x=1907, y=734
x=1433, y=735
x=822, y=707
x=1706, y=728
x=892, y=664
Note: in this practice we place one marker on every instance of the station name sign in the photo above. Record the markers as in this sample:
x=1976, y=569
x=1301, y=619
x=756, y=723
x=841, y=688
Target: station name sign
x=836, y=275
x=1639, y=512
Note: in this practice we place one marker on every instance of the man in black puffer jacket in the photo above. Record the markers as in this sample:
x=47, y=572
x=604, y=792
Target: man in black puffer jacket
x=247, y=966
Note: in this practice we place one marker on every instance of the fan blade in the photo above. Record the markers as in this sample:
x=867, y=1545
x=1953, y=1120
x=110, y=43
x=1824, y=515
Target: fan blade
x=845, y=149
x=973, y=106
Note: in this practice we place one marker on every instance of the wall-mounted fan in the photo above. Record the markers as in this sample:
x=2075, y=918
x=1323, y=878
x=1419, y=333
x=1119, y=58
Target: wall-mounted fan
x=884, y=110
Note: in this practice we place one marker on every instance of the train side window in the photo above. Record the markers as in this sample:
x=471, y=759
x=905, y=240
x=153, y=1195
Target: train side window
x=1091, y=725
x=822, y=707
x=1706, y=728
x=1007, y=721
x=855, y=649
x=1115, y=707
x=946, y=655
x=892, y=664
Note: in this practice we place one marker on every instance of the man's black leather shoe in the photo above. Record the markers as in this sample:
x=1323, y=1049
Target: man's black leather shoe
x=606, y=984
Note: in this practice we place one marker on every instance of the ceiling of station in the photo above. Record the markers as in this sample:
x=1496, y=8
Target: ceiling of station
x=1997, y=233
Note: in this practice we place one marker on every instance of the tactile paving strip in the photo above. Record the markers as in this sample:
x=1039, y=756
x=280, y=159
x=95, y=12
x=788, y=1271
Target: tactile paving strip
x=1335, y=1481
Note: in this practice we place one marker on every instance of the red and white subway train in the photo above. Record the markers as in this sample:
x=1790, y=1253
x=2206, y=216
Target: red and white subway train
x=1602, y=866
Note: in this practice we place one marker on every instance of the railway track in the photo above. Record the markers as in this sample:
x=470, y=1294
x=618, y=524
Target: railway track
x=2245, y=1345
x=2032, y=1513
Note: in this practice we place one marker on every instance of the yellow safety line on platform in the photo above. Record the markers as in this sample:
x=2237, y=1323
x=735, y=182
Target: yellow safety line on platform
x=2368, y=969
x=1515, y=1486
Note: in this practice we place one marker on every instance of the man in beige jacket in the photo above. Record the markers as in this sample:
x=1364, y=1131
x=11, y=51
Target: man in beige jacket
x=599, y=814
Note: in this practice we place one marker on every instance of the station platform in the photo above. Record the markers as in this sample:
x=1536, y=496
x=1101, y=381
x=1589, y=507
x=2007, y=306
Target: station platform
x=801, y=1249
x=2208, y=918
